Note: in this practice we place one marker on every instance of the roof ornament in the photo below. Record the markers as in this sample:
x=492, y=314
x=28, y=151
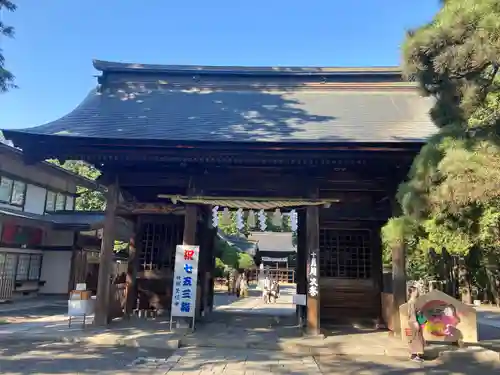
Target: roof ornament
x=215, y=216
x=293, y=220
x=239, y=219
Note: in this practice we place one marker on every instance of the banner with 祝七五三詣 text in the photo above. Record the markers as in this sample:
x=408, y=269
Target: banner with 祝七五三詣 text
x=184, y=281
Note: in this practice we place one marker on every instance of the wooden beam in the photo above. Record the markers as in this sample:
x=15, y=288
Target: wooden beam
x=326, y=180
x=106, y=257
x=313, y=296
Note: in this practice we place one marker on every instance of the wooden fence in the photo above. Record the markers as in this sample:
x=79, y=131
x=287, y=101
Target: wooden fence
x=282, y=275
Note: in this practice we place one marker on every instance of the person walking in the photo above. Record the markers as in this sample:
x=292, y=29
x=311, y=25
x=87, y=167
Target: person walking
x=416, y=342
x=266, y=290
x=243, y=286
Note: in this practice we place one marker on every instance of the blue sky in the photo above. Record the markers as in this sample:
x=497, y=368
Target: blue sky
x=55, y=43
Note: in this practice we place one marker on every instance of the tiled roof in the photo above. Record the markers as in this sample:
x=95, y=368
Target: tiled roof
x=273, y=241
x=241, y=243
x=247, y=104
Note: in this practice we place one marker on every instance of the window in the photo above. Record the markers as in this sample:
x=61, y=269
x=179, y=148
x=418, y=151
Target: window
x=345, y=254
x=28, y=267
x=70, y=203
x=12, y=192
x=50, y=202
x=5, y=189
x=23, y=266
x=18, y=193
x=35, y=265
x=60, y=202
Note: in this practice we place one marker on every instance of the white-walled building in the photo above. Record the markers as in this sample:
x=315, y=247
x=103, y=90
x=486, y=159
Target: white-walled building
x=38, y=226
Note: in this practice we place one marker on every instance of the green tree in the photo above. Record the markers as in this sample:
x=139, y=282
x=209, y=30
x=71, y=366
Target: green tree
x=450, y=200
x=245, y=261
x=6, y=77
x=88, y=200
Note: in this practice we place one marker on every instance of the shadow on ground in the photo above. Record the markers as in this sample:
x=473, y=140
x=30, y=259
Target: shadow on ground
x=67, y=358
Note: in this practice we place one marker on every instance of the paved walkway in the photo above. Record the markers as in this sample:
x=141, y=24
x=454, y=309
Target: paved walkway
x=242, y=335
x=238, y=362
x=46, y=358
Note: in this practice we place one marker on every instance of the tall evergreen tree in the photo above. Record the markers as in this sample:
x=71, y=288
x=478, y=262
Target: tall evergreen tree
x=451, y=199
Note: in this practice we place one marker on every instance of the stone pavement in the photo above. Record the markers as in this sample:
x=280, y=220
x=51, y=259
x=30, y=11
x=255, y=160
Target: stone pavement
x=236, y=325
x=238, y=362
x=464, y=364
x=66, y=358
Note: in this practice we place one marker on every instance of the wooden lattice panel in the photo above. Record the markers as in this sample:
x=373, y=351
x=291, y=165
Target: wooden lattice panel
x=158, y=242
x=345, y=254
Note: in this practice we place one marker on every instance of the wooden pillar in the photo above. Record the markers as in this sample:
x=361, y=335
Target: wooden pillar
x=301, y=262
x=190, y=223
x=210, y=303
x=398, y=283
x=106, y=257
x=208, y=268
x=377, y=271
x=189, y=237
x=132, y=270
x=313, y=296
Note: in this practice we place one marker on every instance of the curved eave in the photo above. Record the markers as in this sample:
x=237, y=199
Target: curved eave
x=117, y=67
x=22, y=137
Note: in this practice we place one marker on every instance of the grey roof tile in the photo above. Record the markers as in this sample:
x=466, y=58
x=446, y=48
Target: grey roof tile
x=156, y=105
x=273, y=241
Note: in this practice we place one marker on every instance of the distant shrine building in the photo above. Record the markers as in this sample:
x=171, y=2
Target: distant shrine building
x=176, y=141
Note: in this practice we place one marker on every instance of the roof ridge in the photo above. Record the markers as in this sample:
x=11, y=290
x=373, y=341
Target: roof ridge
x=123, y=67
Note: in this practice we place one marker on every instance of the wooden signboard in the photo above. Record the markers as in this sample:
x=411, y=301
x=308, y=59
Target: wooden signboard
x=448, y=320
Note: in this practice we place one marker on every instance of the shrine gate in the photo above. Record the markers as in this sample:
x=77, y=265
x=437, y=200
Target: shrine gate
x=172, y=142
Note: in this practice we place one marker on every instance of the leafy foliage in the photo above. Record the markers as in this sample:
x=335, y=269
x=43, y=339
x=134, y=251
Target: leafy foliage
x=230, y=258
x=6, y=77
x=245, y=261
x=451, y=199
x=88, y=200
x=220, y=268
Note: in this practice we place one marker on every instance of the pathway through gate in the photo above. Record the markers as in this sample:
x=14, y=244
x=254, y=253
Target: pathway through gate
x=248, y=322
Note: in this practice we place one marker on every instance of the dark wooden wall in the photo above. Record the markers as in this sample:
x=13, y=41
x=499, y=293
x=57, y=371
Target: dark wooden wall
x=350, y=264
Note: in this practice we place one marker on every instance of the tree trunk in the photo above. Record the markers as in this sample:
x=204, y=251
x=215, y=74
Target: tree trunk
x=464, y=281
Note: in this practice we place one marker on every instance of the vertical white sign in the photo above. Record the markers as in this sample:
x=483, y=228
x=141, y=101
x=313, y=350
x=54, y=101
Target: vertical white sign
x=313, y=276
x=185, y=280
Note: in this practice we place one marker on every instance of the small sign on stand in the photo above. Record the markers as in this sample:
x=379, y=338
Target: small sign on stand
x=184, y=283
x=300, y=300
x=80, y=304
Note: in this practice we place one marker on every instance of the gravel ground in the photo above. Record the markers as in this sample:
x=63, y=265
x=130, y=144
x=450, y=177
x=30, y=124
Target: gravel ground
x=67, y=358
